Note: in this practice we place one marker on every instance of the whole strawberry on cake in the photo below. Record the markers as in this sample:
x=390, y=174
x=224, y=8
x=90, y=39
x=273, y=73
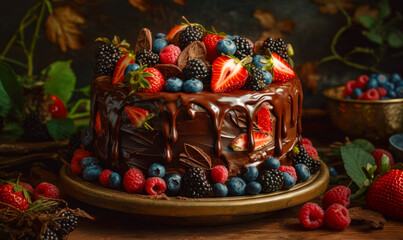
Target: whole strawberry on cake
x=194, y=100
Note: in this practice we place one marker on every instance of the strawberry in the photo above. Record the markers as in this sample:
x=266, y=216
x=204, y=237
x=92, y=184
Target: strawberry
x=386, y=194
x=144, y=79
x=240, y=142
x=13, y=194
x=210, y=41
x=264, y=119
x=57, y=108
x=377, y=154
x=282, y=72
x=97, y=124
x=139, y=117
x=227, y=75
x=124, y=61
x=176, y=29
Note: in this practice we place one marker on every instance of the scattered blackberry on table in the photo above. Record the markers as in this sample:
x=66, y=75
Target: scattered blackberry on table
x=256, y=80
x=195, y=68
x=277, y=46
x=189, y=35
x=107, y=56
x=74, y=143
x=301, y=156
x=35, y=130
x=147, y=57
x=243, y=47
x=195, y=184
x=67, y=223
x=271, y=181
x=51, y=233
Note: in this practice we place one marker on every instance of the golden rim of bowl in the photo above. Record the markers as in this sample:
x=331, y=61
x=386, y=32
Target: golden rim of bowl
x=329, y=94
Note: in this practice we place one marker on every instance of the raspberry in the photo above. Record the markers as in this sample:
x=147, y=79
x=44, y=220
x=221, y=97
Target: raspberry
x=219, y=174
x=78, y=155
x=337, y=217
x=288, y=169
x=310, y=150
x=382, y=91
x=134, y=181
x=104, y=177
x=339, y=194
x=377, y=154
x=170, y=54
x=311, y=215
x=155, y=186
x=371, y=94
x=48, y=190
x=306, y=141
x=362, y=81
x=349, y=88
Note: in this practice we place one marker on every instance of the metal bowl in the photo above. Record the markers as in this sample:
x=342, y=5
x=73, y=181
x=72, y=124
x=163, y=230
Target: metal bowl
x=375, y=120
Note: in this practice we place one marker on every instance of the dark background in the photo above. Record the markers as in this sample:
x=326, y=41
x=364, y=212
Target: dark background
x=310, y=38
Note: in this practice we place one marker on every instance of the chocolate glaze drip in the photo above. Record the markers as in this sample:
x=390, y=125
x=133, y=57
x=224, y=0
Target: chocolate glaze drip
x=198, y=119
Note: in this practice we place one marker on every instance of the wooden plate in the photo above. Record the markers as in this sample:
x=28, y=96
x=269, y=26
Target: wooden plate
x=204, y=211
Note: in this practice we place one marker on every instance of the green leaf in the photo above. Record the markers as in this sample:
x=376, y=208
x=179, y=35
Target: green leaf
x=385, y=166
x=85, y=90
x=384, y=8
x=11, y=86
x=364, y=145
x=395, y=39
x=374, y=37
x=61, y=129
x=398, y=166
x=5, y=101
x=366, y=21
x=11, y=132
x=60, y=80
x=354, y=157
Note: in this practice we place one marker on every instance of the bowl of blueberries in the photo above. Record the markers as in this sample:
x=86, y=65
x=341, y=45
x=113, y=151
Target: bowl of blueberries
x=369, y=107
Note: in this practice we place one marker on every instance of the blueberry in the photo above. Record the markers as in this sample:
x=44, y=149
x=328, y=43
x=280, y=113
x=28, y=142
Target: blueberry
x=91, y=172
x=356, y=93
x=392, y=94
x=373, y=75
x=236, y=186
x=220, y=190
x=173, y=182
x=160, y=35
x=382, y=80
x=303, y=173
x=259, y=61
x=396, y=79
x=271, y=163
x=115, y=180
x=131, y=68
x=174, y=84
x=253, y=188
x=347, y=97
x=398, y=84
x=193, y=85
x=159, y=44
x=372, y=83
x=86, y=137
x=385, y=98
x=267, y=76
x=289, y=181
x=399, y=92
x=226, y=46
x=156, y=170
x=88, y=161
x=332, y=171
x=251, y=174
x=231, y=37
x=389, y=86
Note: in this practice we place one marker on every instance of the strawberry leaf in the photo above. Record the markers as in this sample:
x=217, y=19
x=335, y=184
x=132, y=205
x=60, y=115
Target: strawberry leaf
x=60, y=80
x=364, y=145
x=354, y=157
x=61, y=129
x=385, y=166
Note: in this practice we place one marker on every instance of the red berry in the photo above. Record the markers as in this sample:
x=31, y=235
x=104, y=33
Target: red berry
x=219, y=174
x=210, y=41
x=361, y=81
x=264, y=119
x=310, y=150
x=339, y=194
x=370, y=94
x=282, y=72
x=75, y=164
x=48, y=190
x=349, y=88
x=377, y=154
x=306, y=141
x=311, y=215
x=337, y=217
x=382, y=92
x=157, y=81
x=134, y=181
x=57, y=108
x=104, y=177
x=27, y=187
x=170, y=54
x=290, y=170
x=155, y=186
x=12, y=195
x=227, y=75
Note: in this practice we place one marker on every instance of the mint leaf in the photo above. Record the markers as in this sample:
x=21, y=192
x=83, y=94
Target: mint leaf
x=61, y=129
x=366, y=21
x=354, y=157
x=364, y=144
x=60, y=80
x=11, y=86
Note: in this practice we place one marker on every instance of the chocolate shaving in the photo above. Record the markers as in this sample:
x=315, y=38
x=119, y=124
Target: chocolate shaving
x=373, y=219
x=195, y=157
x=195, y=50
x=144, y=41
x=239, y=119
x=168, y=70
x=258, y=48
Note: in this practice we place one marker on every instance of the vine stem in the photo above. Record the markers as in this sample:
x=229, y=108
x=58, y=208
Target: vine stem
x=76, y=105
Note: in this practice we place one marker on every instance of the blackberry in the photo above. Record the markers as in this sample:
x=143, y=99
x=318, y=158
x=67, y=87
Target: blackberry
x=243, y=47
x=107, y=56
x=67, y=223
x=51, y=233
x=304, y=158
x=189, y=35
x=147, y=57
x=277, y=46
x=195, y=68
x=74, y=143
x=256, y=80
x=271, y=181
x=315, y=166
x=35, y=130
x=195, y=184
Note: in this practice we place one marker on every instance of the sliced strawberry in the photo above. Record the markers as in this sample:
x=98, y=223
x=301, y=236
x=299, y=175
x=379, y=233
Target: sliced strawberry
x=139, y=117
x=124, y=61
x=282, y=72
x=240, y=142
x=210, y=41
x=264, y=119
x=227, y=75
x=97, y=125
x=176, y=29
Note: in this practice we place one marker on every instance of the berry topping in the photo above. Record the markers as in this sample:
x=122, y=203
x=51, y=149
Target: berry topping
x=175, y=30
x=173, y=84
x=210, y=41
x=253, y=188
x=156, y=170
x=276, y=46
x=310, y=150
x=240, y=142
x=160, y=35
x=91, y=173
x=289, y=181
x=339, y=194
x=155, y=186
x=251, y=174
x=75, y=164
x=170, y=54
x=107, y=55
x=311, y=215
x=57, y=108
x=302, y=171
x=159, y=44
x=264, y=119
x=139, y=117
x=220, y=190
x=259, y=61
x=189, y=35
x=193, y=85
x=195, y=68
x=288, y=169
x=255, y=80
x=131, y=68
x=48, y=190
x=134, y=181
x=173, y=182
x=115, y=180
x=236, y=187
x=302, y=156
x=125, y=60
x=282, y=72
x=337, y=217
x=226, y=46
x=195, y=184
x=271, y=163
x=104, y=177
x=146, y=57
x=227, y=75
x=219, y=174
x=243, y=47
x=271, y=181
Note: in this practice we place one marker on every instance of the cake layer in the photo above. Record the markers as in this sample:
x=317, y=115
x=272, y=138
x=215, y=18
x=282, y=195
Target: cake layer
x=201, y=125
